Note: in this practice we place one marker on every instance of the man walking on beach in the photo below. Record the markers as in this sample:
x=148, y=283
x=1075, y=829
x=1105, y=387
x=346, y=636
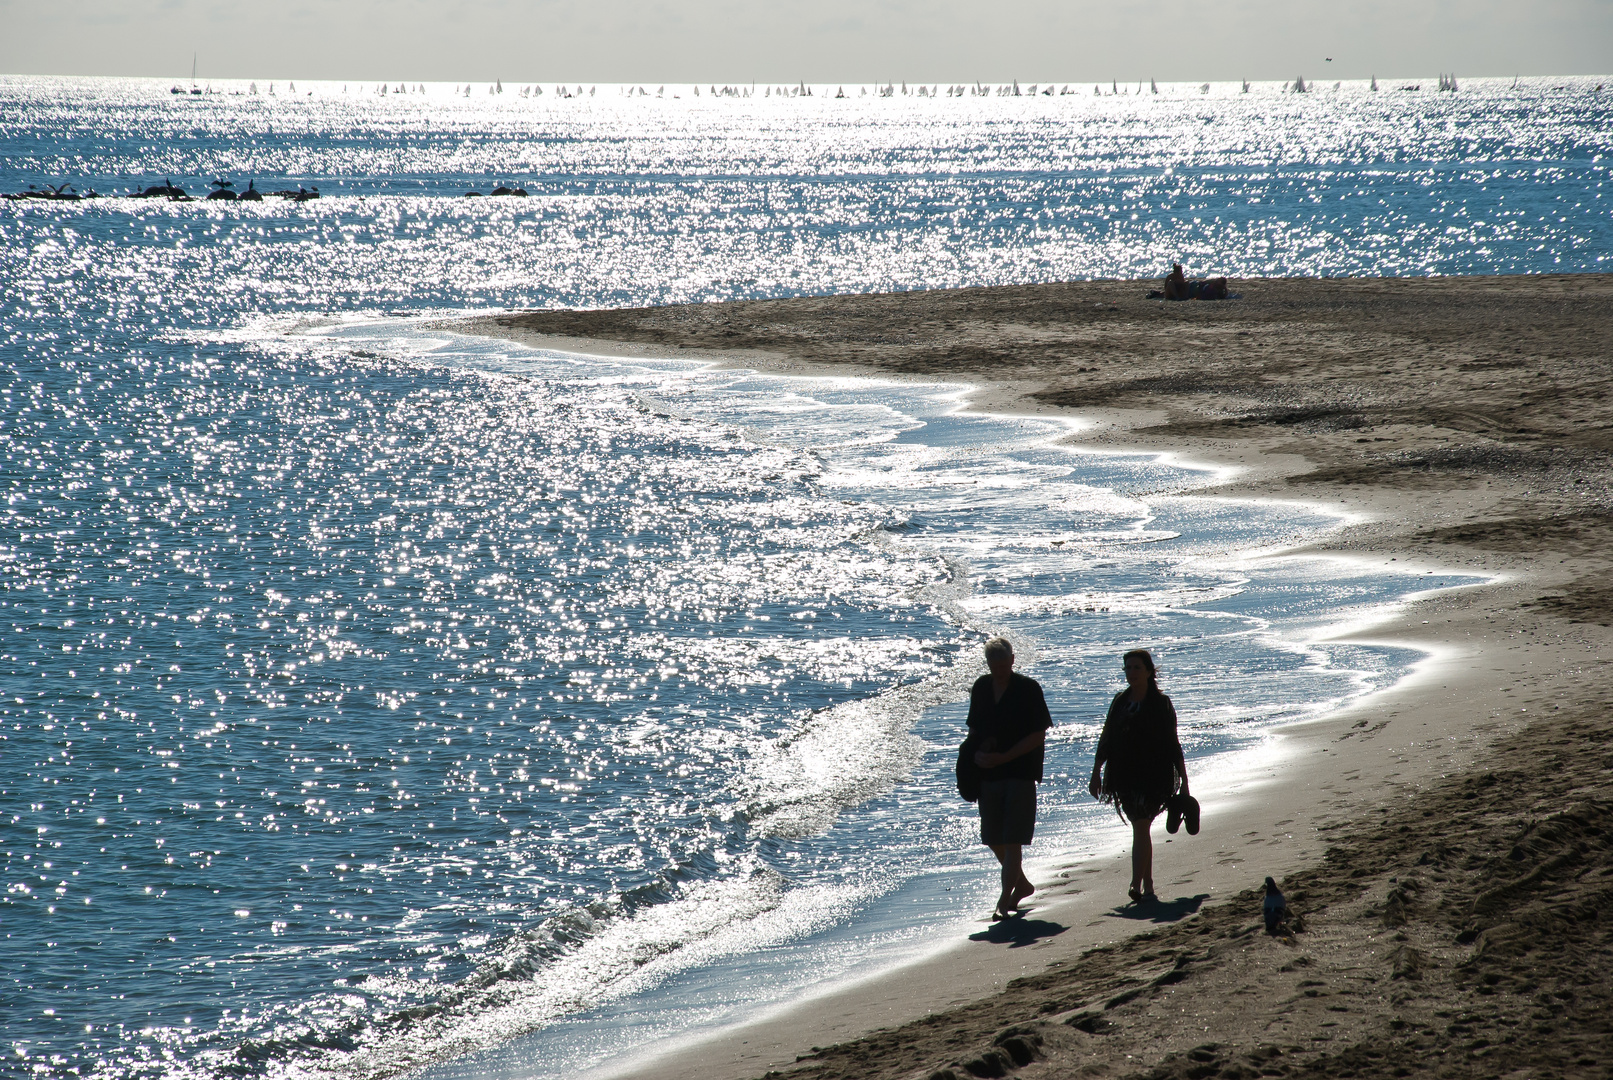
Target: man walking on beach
x=1008, y=722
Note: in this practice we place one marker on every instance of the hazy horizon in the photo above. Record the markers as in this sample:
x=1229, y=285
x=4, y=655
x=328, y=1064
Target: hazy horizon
x=851, y=41
x=1024, y=80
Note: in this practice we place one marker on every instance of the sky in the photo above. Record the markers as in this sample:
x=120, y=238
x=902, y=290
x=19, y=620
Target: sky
x=784, y=41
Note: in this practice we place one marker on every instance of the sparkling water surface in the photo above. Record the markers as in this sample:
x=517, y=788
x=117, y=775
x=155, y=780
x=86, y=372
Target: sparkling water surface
x=370, y=694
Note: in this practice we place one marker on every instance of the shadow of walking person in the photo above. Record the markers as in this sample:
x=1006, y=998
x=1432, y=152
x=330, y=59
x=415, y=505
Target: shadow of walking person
x=1019, y=932
x=1161, y=911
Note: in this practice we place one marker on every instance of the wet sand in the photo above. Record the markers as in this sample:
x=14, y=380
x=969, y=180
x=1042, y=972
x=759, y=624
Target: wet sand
x=1444, y=840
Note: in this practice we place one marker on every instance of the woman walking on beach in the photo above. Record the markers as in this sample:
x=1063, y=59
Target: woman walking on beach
x=1139, y=765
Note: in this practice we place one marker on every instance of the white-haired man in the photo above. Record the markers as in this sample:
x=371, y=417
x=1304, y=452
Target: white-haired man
x=1008, y=722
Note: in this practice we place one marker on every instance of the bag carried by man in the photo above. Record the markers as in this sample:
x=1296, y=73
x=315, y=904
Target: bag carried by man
x=968, y=772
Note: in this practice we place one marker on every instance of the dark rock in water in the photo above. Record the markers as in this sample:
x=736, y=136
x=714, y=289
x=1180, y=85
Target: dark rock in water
x=222, y=193
x=520, y=192
x=166, y=190
x=304, y=196
x=473, y=194
x=60, y=191
x=251, y=194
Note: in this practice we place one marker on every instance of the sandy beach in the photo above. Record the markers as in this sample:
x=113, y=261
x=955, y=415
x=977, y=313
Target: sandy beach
x=1442, y=841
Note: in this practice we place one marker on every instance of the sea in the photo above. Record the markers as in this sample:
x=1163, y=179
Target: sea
x=378, y=700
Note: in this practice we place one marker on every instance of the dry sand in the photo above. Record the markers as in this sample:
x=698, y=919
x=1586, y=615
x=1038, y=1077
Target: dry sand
x=1446, y=840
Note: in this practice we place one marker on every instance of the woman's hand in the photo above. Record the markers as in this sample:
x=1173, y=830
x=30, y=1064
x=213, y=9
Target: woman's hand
x=985, y=759
x=1096, y=785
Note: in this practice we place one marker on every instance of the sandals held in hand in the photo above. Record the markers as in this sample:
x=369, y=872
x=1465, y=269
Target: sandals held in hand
x=1182, y=808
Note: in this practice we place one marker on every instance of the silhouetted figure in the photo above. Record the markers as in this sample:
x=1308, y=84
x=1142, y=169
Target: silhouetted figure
x=1008, y=722
x=1139, y=765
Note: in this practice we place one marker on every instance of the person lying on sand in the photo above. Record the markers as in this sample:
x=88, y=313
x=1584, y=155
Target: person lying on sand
x=1177, y=287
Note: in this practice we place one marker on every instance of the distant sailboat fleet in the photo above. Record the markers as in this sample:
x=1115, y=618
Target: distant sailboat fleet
x=1447, y=82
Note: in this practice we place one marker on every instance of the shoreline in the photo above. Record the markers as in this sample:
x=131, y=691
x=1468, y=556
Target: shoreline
x=1457, y=495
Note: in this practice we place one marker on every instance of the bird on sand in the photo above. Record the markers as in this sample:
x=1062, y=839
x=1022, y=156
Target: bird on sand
x=1275, y=907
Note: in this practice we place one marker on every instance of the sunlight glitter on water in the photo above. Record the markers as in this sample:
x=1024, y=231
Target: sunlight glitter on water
x=636, y=201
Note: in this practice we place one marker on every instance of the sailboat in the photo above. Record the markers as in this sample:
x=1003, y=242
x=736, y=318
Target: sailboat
x=1374, y=82
x=1246, y=86
x=193, y=87
x=1299, y=85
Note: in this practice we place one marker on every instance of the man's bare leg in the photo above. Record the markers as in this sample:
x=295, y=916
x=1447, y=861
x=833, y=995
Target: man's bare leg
x=1016, y=886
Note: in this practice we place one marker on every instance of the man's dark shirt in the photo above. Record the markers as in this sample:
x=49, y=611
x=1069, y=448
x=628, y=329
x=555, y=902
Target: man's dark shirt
x=1021, y=712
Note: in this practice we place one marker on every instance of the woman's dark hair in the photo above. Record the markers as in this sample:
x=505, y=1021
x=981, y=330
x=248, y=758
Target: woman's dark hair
x=1147, y=662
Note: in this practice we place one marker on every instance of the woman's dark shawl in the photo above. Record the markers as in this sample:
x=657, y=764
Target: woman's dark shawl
x=1139, y=752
